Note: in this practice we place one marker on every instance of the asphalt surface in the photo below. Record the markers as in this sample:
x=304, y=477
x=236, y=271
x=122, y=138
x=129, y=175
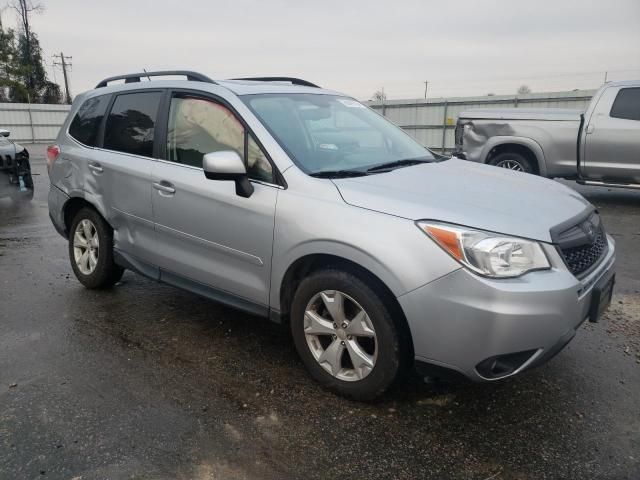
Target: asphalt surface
x=148, y=382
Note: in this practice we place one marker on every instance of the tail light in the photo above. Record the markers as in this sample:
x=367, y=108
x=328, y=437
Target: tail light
x=53, y=152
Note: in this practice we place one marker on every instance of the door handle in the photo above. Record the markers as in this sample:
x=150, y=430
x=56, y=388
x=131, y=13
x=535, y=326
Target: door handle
x=95, y=167
x=164, y=187
x=590, y=128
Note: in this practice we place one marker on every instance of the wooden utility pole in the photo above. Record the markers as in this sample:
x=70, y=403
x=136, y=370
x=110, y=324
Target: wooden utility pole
x=64, y=62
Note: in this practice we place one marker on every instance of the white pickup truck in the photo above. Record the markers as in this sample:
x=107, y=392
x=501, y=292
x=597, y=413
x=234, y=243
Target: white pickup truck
x=598, y=146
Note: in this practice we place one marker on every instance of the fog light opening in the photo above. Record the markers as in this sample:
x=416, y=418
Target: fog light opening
x=503, y=365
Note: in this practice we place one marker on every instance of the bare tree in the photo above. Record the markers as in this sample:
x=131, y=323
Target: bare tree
x=24, y=8
x=379, y=96
x=524, y=90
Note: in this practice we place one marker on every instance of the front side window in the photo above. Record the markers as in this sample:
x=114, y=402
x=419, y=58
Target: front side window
x=627, y=104
x=131, y=123
x=199, y=126
x=329, y=133
x=84, y=126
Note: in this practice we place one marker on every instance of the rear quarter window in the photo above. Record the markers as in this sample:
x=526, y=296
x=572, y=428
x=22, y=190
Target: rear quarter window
x=627, y=104
x=85, y=125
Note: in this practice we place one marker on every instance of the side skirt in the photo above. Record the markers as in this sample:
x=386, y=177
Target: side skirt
x=154, y=273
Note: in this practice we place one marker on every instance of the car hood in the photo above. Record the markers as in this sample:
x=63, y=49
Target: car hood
x=469, y=194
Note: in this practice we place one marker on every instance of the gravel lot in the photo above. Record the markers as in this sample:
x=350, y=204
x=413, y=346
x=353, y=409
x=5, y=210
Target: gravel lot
x=145, y=381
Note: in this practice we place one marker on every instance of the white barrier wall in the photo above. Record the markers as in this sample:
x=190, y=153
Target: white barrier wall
x=431, y=122
x=32, y=123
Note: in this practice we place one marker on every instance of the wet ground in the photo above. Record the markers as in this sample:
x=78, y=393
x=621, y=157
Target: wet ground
x=147, y=382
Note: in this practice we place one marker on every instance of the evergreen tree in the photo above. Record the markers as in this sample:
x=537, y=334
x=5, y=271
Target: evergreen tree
x=23, y=77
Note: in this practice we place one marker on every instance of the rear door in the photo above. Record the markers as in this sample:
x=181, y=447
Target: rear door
x=120, y=170
x=206, y=233
x=612, y=137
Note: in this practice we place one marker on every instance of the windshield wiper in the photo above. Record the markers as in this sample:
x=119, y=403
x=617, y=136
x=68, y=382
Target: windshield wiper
x=338, y=174
x=397, y=163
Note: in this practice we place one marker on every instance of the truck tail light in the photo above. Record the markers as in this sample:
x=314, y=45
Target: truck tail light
x=53, y=152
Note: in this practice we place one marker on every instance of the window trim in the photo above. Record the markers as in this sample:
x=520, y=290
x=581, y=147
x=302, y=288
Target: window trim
x=103, y=124
x=278, y=179
x=613, y=104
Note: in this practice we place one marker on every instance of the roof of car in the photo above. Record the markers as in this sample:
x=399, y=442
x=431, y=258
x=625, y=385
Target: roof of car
x=250, y=87
x=238, y=86
x=624, y=83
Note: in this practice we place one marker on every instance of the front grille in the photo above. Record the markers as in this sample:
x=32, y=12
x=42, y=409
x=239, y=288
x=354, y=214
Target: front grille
x=581, y=259
x=583, y=245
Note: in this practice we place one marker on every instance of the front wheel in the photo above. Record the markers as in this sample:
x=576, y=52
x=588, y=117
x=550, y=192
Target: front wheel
x=91, y=250
x=512, y=161
x=346, y=335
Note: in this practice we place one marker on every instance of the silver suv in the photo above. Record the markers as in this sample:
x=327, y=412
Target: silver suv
x=300, y=204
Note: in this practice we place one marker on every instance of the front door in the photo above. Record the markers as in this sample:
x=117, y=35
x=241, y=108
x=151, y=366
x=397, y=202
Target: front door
x=612, y=137
x=205, y=233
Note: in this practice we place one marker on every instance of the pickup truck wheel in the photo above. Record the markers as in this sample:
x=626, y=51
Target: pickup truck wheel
x=91, y=250
x=512, y=161
x=346, y=335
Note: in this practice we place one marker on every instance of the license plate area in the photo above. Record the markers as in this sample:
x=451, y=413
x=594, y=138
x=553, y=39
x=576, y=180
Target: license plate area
x=601, y=296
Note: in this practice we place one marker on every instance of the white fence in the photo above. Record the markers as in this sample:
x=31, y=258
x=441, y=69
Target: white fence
x=32, y=123
x=432, y=121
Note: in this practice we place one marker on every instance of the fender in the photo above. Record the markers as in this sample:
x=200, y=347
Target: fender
x=524, y=141
x=89, y=198
x=352, y=254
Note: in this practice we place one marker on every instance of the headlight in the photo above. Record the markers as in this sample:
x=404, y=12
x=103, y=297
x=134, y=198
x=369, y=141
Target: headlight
x=486, y=253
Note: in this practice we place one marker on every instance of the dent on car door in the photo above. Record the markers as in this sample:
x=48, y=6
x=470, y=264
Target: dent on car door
x=612, y=137
x=206, y=233
x=122, y=169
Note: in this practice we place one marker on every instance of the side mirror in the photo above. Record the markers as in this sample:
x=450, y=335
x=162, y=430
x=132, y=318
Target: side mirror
x=4, y=133
x=227, y=165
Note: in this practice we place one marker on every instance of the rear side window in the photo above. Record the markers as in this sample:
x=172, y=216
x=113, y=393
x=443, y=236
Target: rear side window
x=131, y=123
x=627, y=104
x=85, y=125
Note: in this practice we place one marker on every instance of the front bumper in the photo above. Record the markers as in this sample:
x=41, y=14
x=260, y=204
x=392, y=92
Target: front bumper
x=462, y=319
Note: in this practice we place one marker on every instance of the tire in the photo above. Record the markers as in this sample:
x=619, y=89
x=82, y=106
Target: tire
x=99, y=271
x=390, y=347
x=512, y=161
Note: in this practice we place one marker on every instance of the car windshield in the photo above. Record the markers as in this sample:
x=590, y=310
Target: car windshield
x=329, y=134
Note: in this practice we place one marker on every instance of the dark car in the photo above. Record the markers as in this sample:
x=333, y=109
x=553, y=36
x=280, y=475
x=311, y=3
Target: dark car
x=15, y=170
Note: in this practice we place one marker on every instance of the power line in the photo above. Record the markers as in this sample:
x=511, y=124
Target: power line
x=64, y=62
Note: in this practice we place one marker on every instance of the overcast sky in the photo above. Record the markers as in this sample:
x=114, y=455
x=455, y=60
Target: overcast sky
x=463, y=47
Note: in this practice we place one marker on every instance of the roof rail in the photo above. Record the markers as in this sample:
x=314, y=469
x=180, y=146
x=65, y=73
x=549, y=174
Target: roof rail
x=293, y=80
x=135, y=77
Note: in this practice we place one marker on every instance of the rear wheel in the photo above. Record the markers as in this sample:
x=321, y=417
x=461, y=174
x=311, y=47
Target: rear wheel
x=91, y=250
x=512, y=161
x=346, y=335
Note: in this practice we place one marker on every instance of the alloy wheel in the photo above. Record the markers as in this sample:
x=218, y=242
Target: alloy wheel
x=510, y=165
x=86, y=247
x=340, y=335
